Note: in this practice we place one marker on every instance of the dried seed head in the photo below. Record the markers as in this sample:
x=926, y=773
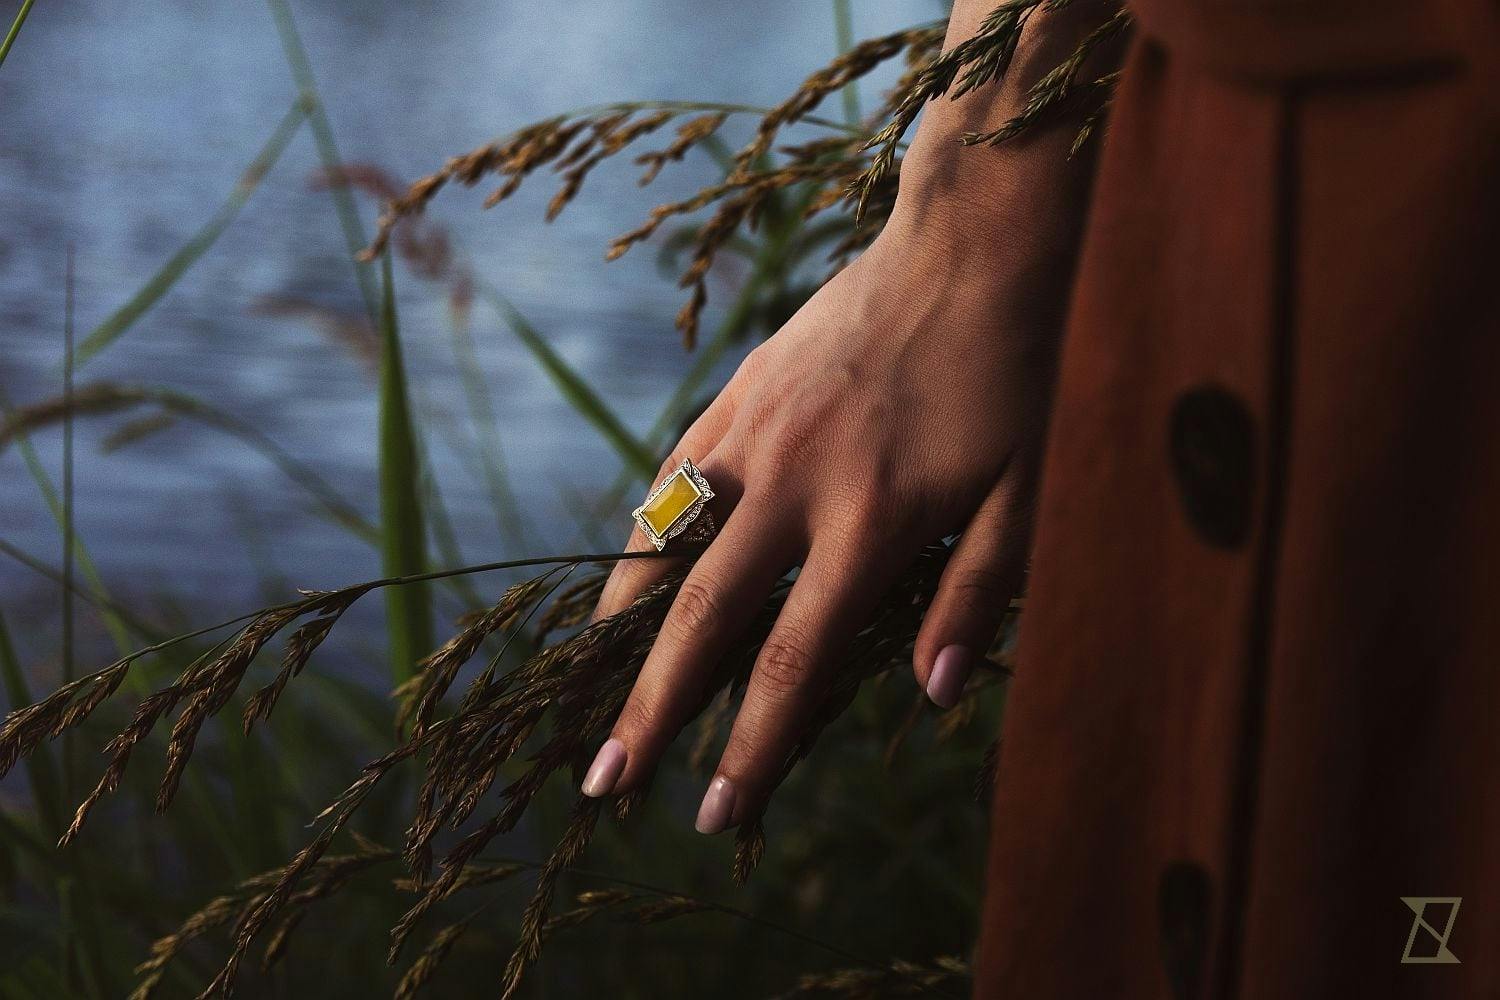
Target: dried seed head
x=948, y=976
x=689, y=134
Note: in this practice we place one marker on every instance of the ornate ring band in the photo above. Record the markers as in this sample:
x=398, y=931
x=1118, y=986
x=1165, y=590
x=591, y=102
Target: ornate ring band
x=677, y=508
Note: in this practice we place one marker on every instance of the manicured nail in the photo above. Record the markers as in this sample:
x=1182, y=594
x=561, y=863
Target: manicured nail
x=950, y=671
x=606, y=769
x=717, y=807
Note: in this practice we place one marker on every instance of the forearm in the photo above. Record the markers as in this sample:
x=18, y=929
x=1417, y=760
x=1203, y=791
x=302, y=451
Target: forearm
x=1015, y=210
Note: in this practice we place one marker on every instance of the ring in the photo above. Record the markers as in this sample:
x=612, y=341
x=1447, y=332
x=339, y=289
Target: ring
x=676, y=508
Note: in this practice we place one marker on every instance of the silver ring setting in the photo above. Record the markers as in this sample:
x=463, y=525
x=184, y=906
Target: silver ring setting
x=676, y=508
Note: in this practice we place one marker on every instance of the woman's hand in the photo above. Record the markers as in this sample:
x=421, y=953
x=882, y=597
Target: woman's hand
x=894, y=409
x=905, y=402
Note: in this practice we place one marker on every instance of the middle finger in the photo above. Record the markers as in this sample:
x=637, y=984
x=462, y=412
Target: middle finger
x=723, y=591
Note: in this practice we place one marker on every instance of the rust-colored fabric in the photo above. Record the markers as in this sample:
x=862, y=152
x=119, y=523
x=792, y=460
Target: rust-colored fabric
x=1258, y=700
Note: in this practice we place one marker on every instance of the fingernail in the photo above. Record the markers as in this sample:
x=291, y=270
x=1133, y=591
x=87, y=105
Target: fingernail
x=950, y=671
x=606, y=769
x=717, y=807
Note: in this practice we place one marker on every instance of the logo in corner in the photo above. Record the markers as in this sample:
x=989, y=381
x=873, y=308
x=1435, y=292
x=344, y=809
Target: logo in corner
x=1419, y=906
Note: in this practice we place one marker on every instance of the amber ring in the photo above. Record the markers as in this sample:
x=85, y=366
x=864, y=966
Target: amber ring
x=677, y=508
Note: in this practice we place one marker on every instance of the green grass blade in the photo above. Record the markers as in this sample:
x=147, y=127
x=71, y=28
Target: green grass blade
x=355, y=240
x=117, y=622
x=118, y=629
x=330, y=503
x=486, y=429
x=41, y=771
x=309, y=480
x=69, y=667
x=403, y=538
x=578, y=393
x=843, y=30
x=445, y=538
x=15, y=29
x=177, y=265
x=101, y=603
x=328, y=152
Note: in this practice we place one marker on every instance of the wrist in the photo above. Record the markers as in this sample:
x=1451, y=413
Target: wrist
x=1019, y=252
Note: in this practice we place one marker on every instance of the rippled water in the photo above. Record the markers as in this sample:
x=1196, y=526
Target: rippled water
x=124, y=125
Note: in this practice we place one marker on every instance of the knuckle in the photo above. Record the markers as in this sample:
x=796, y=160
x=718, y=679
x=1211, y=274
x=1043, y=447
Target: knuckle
x=785, y=666
x=697, y=610
x=798, y=437
x=759, y=417
x=642, y=726
x=865, y=520
x=634, y=576
x=751, y=367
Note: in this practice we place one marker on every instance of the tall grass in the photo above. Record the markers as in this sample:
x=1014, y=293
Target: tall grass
x=122, y=319
x=403, y=530
x=508, y=735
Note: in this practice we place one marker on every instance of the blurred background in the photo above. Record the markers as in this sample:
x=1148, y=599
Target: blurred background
x=227, y=453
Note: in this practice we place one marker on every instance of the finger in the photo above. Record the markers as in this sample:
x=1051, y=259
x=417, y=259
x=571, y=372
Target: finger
x=983, y=574
x=725, y=588
x=632, y=576
x=834, y=595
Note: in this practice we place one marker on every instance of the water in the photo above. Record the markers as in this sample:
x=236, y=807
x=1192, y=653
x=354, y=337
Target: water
x=124, y=125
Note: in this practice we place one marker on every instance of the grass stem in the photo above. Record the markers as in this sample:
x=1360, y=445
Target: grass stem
x=70, y=749
x=328, y=151
x=123, y=318
x=403, y=532
x=843, y=29
x=15, y=30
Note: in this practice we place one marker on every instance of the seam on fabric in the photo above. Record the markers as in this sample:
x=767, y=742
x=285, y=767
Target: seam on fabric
x=1245, y=792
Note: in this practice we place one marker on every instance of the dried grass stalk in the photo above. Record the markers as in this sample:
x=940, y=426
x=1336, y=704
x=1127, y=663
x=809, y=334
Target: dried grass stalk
x=856, y=168
x=332, y=874
x=949, y=976
x=559, y=704
x=1060, y=85
x=981, y=60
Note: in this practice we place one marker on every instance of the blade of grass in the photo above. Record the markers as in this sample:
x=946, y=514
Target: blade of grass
x=843, y=30
x=80, y=945
x=41, y=771
x=353, y=230
x=402, y=530
x=117, y=625
x=177, y=265
x=338, y=509
x=328, y=152
x=445, y=538
x=331, y=504
x=69, y=667
x=575, y=390
x=487, y=430
x=102, y=604
x=118, y=621
x=15, y=30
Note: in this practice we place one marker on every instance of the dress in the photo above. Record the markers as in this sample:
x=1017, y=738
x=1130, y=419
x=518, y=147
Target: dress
x=1258, y=697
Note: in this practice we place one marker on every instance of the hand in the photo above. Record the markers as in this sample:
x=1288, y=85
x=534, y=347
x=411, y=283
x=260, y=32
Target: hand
x=904, y=403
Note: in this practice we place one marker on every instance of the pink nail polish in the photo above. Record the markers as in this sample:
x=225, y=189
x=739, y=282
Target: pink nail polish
x=950, y=671
x=717, y=808
x=606, y=769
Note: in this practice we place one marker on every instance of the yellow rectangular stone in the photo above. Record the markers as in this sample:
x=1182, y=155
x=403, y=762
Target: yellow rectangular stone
x=677, y=494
